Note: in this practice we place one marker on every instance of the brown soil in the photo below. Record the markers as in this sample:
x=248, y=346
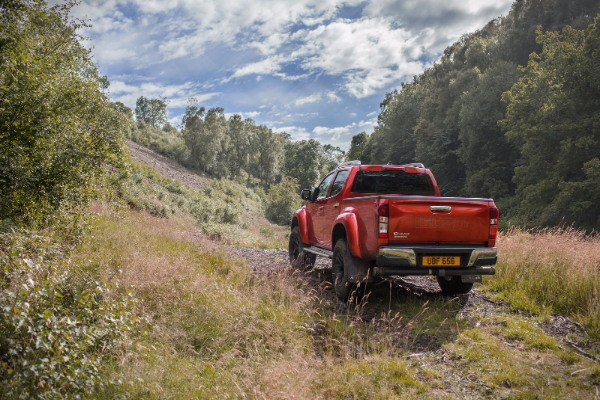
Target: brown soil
x=166, y=167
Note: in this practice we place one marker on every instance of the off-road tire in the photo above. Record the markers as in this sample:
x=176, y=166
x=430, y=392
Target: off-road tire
x=299, y=258
x=341, y=265
x=454, y=286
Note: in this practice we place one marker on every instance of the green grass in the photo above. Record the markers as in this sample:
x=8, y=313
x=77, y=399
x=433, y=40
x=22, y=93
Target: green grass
x=550, y=271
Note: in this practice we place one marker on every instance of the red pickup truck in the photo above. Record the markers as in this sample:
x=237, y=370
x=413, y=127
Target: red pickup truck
x=375, y=221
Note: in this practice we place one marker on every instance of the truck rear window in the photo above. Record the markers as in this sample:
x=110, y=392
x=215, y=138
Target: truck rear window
x=393, y=182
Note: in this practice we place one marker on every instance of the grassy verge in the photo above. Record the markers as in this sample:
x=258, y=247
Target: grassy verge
x=224, y=210
x=209, y=328
x=554, y=271
x=214, y=330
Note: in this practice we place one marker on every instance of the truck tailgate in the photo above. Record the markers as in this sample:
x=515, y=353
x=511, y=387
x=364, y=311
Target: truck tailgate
x=438, y=219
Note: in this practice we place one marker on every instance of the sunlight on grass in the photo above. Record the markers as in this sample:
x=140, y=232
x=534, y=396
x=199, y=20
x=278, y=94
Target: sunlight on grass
x=550, y=271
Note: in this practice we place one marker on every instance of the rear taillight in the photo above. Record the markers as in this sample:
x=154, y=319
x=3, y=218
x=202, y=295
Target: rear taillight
x=383, y=211
x=494, y=215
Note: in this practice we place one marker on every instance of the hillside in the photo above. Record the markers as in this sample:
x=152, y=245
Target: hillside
x=156, y=301
x=510, y=112
x=166, y=167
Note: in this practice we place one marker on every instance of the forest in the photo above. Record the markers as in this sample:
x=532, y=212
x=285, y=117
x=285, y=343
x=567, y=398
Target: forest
x=511, y=112
x=233, y=148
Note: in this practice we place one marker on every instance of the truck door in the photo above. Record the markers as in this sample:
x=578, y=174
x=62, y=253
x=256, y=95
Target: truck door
x=331, y=209
x=316, y=207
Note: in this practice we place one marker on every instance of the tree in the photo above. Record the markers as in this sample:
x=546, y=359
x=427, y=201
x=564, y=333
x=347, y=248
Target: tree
x=357, y=146
x=308, y=161
x=215, y=141
x=302, y=161
x=395, y=140
x=151, y=111
x=193, y=130
x=553, y=114
x=330, y=158
x=269, y=150
x=237, y=131
x=117, y=105
x=58, y=128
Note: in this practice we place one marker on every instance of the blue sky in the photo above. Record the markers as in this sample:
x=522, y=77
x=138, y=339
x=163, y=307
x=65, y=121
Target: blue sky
x=313, y=68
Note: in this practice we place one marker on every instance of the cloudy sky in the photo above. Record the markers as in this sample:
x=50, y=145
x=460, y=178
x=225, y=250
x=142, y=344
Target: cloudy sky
x=313, y=68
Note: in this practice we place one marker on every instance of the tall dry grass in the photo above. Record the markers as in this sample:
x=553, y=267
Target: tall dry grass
x=551, y=271
x=216, y=330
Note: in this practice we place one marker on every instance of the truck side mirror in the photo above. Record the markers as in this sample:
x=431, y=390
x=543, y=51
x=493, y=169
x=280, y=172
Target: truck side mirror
x=305, y=194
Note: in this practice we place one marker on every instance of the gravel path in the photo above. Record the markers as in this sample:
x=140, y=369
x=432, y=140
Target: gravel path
x=264, y=261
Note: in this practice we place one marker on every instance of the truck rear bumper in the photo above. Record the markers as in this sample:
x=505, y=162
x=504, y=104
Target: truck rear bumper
x=387, y=271
x=396, y=260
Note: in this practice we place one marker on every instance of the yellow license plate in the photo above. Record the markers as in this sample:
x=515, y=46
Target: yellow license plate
x=441, y=261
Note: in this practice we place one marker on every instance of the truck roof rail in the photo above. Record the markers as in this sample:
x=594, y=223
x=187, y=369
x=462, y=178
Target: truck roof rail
x=418, y=165
x=353, y=162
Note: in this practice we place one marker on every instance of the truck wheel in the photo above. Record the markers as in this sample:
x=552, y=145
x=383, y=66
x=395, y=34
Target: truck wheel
x=298, y=257
x=342, y=263
x=453, y=286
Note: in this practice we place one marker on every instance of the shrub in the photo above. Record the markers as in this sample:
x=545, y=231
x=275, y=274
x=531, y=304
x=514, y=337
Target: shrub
x=56, y=328
x=58, y=127
x=282, y=201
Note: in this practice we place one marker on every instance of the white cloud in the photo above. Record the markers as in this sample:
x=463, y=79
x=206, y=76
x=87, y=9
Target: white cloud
x=370, y=123
x=382, y=47
x=369, y=53
x=177, y=95
x=176, y=120
x=338, y=136
x=264, y=67
x=308, y=99
x=342, y=135
x=333, y=97
x=250, y=114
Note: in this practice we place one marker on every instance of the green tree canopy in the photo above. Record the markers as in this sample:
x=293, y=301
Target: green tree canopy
x=58, y=127
x=193, y=130
x=553, y=114
x=151, y=111
x=357, y=146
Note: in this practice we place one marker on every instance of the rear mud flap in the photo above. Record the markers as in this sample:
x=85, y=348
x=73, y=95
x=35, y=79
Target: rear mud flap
x=360, y=271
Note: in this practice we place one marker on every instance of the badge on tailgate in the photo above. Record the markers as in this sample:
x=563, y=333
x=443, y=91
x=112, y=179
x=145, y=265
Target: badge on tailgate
x=441, y=261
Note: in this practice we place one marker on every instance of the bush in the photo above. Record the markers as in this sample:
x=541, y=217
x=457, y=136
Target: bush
x=58, y=126
x=282, y=201
x=56, y=328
